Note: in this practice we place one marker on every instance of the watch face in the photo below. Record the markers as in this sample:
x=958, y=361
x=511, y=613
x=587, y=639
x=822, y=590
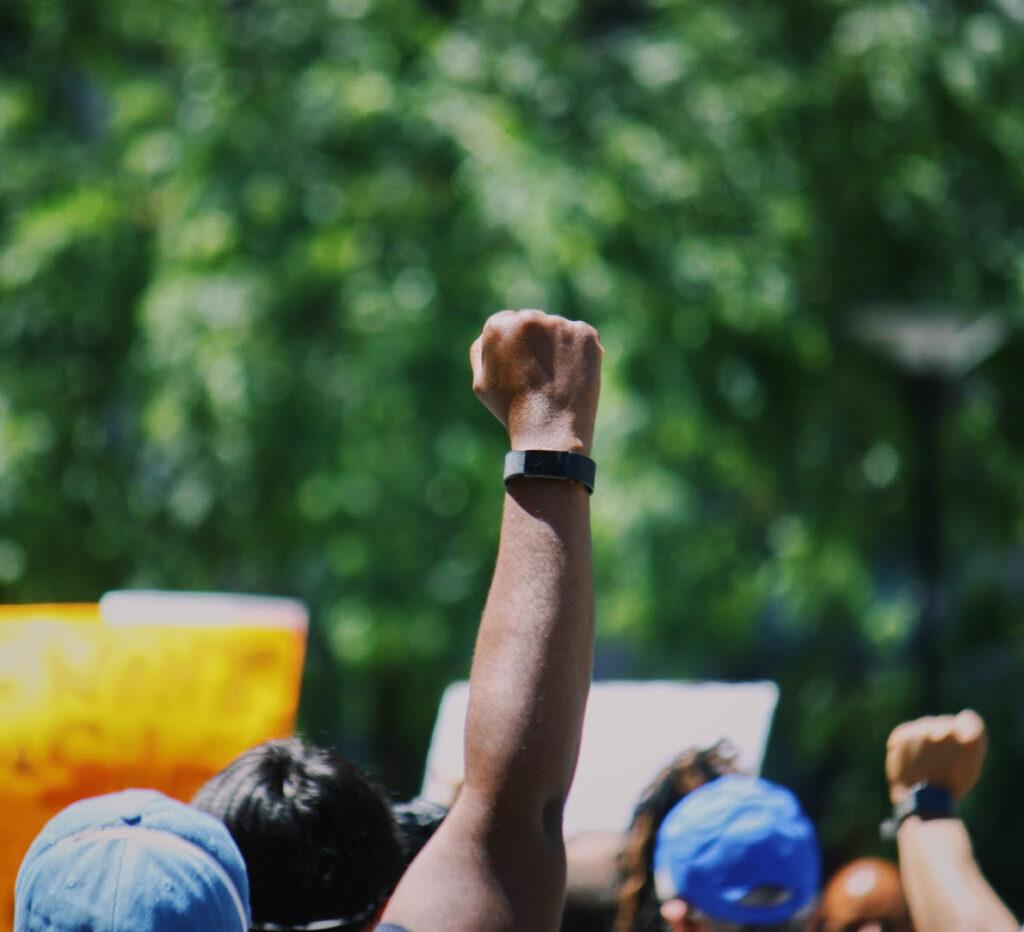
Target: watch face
x=544, y=462
x=931, y=800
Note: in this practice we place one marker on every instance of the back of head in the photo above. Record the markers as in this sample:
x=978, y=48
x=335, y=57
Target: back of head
x=638, y=907
x=132, y=862
x=739, y=850
x=866, y=893
x=416, y=822
x=318, y=838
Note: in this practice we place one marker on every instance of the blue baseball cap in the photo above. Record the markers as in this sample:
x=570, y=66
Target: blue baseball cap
x=134, y=861
x=739, y=849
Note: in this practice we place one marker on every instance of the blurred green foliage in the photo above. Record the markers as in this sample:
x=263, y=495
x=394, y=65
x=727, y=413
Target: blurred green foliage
x=245, y=244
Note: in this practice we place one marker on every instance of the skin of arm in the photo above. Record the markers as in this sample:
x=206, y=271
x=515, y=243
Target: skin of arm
x=498, y=861
x=943, y=884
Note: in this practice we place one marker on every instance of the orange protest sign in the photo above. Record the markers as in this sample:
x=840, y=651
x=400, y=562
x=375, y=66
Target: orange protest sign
x=146, y=689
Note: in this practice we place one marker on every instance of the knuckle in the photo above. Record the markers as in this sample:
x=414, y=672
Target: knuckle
x=916, y=727
x=499, y=320
x=531, y=319
x=945, y=729
x=969, y=724
x=539, y=319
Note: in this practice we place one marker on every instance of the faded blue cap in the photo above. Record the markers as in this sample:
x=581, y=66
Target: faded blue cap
x=739, y=849
x=134, y=861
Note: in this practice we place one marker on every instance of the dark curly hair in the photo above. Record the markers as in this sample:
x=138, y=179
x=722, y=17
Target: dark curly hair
x=638, y=906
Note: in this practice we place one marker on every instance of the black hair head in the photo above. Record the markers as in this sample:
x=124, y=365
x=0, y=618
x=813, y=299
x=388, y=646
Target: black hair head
x=317, y=835
x=417, y=820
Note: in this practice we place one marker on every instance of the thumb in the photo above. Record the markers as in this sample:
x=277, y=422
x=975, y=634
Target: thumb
x=476, y=361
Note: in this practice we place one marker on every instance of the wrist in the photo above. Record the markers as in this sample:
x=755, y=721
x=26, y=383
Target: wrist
x=535, y=427
x=550, y=434
x=566, y=443
x=915, y=824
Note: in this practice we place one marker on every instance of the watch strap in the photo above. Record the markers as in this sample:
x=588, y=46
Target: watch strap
x=925, y=800
x=551, y=464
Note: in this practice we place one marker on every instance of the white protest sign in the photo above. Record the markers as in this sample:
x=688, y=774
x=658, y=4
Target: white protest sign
x=631, y=731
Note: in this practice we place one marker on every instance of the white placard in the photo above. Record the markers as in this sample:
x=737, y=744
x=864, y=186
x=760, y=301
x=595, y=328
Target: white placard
x=631, y=731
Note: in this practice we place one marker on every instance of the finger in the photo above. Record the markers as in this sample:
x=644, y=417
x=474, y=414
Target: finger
x=585, y=335
x=969, y=726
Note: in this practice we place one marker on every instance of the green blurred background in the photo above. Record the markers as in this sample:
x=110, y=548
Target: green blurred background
x=244, y=246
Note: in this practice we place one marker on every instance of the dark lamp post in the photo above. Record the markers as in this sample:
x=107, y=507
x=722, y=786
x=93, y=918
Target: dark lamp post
x=934, y=349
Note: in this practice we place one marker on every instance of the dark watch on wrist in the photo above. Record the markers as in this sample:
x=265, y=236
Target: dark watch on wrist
x=925, y=800
x=551, y=464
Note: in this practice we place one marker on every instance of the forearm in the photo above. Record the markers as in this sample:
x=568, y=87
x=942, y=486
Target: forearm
x=531, y=669
x=498, y=861
x=943, y=884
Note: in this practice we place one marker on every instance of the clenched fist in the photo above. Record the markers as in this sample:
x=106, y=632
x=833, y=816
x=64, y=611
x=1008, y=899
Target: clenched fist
x=945, y=750
x=540, y=375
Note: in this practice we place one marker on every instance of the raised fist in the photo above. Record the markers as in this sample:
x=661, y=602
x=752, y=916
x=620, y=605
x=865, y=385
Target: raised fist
x=945, y=750
x=540, y=375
